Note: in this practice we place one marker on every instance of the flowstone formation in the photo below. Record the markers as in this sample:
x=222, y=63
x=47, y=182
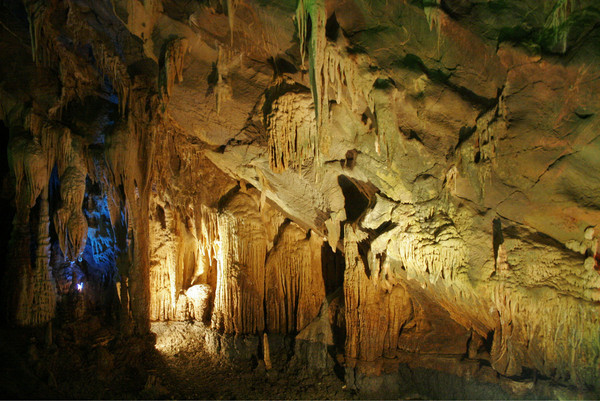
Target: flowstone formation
x=404, y=192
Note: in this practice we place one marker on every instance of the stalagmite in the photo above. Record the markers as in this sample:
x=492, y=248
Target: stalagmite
x=198, y=296
x=37, y=299
x=267, y=352
x=36, y=296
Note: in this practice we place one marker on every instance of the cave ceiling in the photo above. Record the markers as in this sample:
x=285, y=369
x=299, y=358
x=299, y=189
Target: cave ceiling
x=449, y=149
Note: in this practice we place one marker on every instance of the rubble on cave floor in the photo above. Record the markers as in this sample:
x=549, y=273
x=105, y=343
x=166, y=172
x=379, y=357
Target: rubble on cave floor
x=89, y=361
x=192, y=371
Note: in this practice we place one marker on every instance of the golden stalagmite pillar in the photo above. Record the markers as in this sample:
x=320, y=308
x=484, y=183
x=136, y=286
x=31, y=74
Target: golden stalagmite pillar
x=37, y=300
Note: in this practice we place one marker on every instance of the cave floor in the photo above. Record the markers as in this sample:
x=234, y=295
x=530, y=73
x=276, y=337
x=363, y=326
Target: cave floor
x=191, y=377
x=190, y=371
x=87, y=360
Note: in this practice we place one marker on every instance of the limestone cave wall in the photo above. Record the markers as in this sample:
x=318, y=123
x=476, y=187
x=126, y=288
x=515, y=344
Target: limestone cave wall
x=412, y=182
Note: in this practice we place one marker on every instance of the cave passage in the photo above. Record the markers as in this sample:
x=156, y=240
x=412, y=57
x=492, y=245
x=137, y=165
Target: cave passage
x=324, y=199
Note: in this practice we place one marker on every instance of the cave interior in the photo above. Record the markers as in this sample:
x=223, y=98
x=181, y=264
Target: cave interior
x=291, y=199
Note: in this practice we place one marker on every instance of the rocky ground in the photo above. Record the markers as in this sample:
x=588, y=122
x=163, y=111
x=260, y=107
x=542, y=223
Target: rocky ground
x=84, y=361
x=190, y=371
x=87, y=361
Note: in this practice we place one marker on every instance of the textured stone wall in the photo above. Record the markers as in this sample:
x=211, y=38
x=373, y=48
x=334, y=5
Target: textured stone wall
x=449, y=150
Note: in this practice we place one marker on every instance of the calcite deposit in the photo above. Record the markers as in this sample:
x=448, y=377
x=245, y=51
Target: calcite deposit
x=370, y=187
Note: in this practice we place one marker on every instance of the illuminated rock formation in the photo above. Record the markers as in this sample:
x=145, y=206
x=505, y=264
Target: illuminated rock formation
x=399, y=185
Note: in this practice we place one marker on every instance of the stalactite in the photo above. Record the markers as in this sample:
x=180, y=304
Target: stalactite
x=294, y=282
x=49, y=49
x=183, y=249
x=486, y=144
x=521, y=302
x=223, y=91
x=163, y=268
x=236, y=241
x=60, y=149
x=294, y=137
x=240, y=282
x=271, y=282
x=374, y=314
x=539, y=329
x=32, y=160
x=29, y=165
x=231, y=6
x=208, y=233
x=245, y=233
x=139, y=283
x=71, y=216
x=175, y=53
x=125, y=310
x=120, y=146
x=292, y=133
x=34, y=34
x=129, y=153
x=330, y=67
x=29, y=162
x=315, y=10
x=434, y=16
x=557, y=24
x=351, y=72
x=36, y=15
x=51, y=145
x=428, y=245
x=111, y=66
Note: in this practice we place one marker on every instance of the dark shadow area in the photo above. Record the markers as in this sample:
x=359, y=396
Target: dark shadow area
x=333, y=266
x=160, y=214
x=356, y=200
x=282, y=66
x=7, y=194
x=350, y=161
x=497, y=237
x=81, y=360
x=332, y=28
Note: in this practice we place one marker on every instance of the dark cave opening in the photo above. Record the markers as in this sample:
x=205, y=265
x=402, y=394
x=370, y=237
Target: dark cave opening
x=332, y=28
x=85, y=284
x=356, y=202
x=333, y=265
x=101, y=251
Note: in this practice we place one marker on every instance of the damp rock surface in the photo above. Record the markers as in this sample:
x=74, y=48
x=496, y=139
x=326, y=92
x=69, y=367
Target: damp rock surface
x=387, y=187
